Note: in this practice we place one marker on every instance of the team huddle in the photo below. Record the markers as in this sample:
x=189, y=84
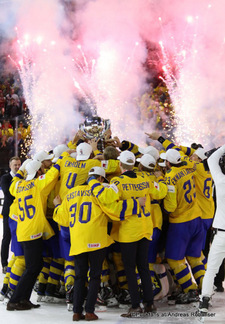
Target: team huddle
x=102, y=225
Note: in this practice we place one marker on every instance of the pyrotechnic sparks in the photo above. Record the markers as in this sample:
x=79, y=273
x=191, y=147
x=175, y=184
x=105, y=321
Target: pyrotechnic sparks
x=42, y=65
x=104, y=68
x=190, y=19
x=98, y=81
x=185, y=89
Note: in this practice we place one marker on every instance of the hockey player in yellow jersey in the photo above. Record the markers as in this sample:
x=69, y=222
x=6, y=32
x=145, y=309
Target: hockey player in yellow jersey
x=44, y=158
x=74, y=172
x=86, y=217
x=5, y=287
x=109, y=161
x=112, y=168
x=151, y=150
x=32, y=225
x=135, y=233
x=185, y=232
x=146, y=169
x=53, y=264
x=203, y=183
x=204, y=189
x=18, y=266
x=137, y=150
x=129, y=185
x=202, y=177
x=124, y=145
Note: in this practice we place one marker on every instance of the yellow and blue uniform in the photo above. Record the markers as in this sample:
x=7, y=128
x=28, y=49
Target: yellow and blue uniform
x=140, y=225
x=204, y=190
x=157, y=219
x=135, y=233
x=13, y=219
x=156, y=212
x=185, y=232
x=73, y=173
x=18, y=213
x=96, y=187
x=84, y=227
x=8, y=272
x=83, y=211
x=181, y=200
x=17, y=271
x=202, y=178
x=18, y=266
x=64, y=237
x=111, y=167
x=185, y=223
x=32, y=223
x=53, y=262
x=129, y=146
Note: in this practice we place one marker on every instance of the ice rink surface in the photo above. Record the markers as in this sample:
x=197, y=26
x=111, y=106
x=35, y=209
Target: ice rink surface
x=57, y=313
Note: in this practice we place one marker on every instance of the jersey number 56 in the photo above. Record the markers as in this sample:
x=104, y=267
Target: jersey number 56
x=27, y=210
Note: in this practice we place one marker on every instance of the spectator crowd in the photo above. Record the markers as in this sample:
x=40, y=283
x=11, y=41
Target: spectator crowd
x=14, y=120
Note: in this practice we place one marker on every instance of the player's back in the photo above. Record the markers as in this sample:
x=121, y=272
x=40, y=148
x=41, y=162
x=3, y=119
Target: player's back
x=181, y=199
x=136, y=226
x=87, y=221
x=74, y=173
x=131, y=186
x=156, y=212
x=32, y=223
x=204, y=190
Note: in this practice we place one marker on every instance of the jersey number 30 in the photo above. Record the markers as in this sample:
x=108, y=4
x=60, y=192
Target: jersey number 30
x=84, y=213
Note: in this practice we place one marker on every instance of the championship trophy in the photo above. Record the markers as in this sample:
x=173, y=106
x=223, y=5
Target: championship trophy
x=95, y=127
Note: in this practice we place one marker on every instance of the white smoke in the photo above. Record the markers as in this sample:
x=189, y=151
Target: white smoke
x=98, y=55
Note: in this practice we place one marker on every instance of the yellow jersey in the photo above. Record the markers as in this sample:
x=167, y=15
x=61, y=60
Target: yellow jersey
x=126, y=145
x=112, y=168
x=139, y=225
x=73, y=173
x=203, y=180
x=13, y=210
x=85, y=215
x=30, y=195
x=204, y=190
x=156, y=212
x=181, y=199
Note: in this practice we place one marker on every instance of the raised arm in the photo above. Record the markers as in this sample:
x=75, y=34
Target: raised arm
x=214, y=167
